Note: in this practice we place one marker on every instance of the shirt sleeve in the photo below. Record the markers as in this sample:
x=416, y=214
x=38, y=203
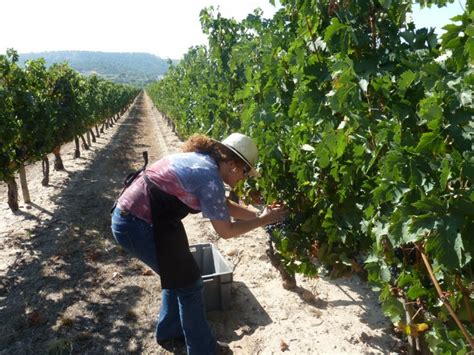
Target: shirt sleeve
x=211, y=196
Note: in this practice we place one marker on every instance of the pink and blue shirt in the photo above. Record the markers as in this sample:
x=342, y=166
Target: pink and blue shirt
x=192, y=177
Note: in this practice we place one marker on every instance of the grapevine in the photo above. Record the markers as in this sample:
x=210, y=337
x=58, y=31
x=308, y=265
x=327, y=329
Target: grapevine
x=364, y=128
x=43, y=108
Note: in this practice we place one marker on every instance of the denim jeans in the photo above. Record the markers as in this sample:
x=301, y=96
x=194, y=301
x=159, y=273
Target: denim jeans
x=182, y=312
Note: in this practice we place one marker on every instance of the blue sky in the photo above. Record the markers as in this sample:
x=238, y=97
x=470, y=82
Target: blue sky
x=437, y=17
x=166, y=28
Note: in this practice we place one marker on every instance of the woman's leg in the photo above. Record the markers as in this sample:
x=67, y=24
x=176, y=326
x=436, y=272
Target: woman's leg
x=182, y=310
x=198, y=334
x=169, y=323
x=189, y=299
x=136, y=237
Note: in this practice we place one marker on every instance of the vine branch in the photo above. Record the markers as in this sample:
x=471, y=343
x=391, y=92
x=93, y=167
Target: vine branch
x=443, y=298
x=465, y=296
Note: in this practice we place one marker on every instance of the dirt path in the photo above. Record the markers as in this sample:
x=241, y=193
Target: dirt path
x=66, y=286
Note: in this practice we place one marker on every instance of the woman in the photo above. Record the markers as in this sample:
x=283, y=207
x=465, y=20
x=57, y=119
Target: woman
x=147, y=223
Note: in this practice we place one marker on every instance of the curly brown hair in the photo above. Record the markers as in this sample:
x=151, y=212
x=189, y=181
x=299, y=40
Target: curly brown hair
x=201, y=143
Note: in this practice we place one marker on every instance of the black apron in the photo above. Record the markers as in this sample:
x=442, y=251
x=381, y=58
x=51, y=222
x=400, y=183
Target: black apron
x=175, y=261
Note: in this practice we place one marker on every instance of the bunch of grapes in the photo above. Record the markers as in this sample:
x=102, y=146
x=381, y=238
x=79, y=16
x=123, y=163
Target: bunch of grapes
x=394, y=272
x=275, y=229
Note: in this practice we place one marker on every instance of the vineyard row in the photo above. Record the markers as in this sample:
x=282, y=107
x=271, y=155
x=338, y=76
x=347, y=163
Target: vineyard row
x=42, y=108
x=364, y=127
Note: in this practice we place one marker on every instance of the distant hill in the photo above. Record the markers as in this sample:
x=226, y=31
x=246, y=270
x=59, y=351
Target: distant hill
x=131, y=68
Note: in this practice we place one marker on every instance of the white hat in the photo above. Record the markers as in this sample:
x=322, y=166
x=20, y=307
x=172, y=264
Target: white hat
x=245, y=148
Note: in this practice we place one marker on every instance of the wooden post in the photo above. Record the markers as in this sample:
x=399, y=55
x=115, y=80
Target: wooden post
x=77, y=151
x=24, y=185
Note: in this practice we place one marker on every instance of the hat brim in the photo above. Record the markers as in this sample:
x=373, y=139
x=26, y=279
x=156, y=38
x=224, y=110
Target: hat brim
x=252, y=172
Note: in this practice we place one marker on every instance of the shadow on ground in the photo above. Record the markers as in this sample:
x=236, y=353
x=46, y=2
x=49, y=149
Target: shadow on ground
x=66, y=293
x=244, y=316
x=55, y=297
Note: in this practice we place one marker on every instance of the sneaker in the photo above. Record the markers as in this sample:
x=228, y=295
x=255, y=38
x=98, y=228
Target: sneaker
x=223, y=348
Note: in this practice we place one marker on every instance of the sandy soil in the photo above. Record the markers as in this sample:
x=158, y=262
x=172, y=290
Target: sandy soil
x=66, y=287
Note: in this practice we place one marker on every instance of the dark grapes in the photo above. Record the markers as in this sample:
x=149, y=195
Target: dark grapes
x=398, y=253
x=394, y=272
x=275, y=227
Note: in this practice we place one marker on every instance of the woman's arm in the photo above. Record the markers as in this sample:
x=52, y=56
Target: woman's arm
x=241, y=212
x=228, y=229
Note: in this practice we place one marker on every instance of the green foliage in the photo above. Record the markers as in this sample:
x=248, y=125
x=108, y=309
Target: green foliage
x=364, y=128
x=43, y=108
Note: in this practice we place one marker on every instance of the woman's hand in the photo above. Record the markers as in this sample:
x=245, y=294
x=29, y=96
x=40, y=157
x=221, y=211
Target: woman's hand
x=274, y=213
x=271, y=214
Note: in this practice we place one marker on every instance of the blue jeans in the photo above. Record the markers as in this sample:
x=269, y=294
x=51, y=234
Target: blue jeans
x=182, y=312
